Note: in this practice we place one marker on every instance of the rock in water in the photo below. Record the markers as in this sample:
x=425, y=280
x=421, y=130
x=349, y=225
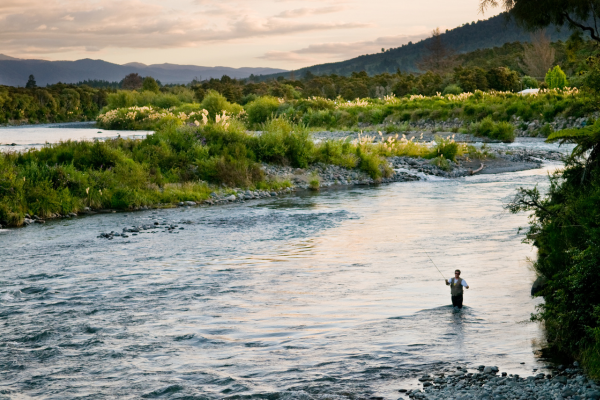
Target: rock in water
x=538, y=285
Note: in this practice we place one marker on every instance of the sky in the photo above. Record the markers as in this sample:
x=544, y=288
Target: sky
x=286, y=34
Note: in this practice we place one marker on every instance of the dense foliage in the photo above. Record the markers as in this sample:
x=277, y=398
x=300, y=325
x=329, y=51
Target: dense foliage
x=565, y=228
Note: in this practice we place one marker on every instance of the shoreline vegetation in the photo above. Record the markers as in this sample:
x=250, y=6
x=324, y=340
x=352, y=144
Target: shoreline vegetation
x=495, y=115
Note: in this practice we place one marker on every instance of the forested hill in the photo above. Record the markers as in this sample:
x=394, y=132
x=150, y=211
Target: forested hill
x=493, y=32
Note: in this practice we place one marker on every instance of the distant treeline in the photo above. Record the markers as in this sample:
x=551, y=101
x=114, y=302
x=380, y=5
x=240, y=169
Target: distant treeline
x=56, y=103
x=501, y=68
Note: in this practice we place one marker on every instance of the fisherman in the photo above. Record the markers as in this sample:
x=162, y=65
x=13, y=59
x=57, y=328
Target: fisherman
x=456, y=289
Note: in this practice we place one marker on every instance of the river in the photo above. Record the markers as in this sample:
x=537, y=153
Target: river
x=299, y=297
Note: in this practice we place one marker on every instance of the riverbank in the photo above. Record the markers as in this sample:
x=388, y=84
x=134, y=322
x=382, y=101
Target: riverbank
x=489, y=383
x=273, y=179
x=407, y=169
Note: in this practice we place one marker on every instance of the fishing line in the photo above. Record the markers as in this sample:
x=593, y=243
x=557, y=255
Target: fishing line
x=435, y=266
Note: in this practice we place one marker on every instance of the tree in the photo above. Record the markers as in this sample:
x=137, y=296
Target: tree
x=31, y=82
x=535, y=14
x=471, y=79
x=132, y=82
x=503, y=79
x=539, y=56
x=150, y=84
x=556, y=78
x=440, y=58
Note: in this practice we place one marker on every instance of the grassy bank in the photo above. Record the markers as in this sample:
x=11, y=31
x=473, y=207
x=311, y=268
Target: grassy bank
x=181, y=162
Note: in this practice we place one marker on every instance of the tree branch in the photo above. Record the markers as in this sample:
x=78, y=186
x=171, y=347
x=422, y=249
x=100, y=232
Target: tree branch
x=591, y=30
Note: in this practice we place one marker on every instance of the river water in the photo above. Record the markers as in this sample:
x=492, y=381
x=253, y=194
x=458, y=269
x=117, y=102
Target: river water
x=20, y=138
x=306, y=296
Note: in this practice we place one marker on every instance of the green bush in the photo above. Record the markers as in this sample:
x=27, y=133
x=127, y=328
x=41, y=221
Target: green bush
x=261, y=109
x=441, y=162
x=503, y=130
x=452, y=89
x=529, y=82
x=446, y=148
x=215, y=103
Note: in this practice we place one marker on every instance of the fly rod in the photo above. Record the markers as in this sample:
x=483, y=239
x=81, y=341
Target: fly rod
x=435, y=266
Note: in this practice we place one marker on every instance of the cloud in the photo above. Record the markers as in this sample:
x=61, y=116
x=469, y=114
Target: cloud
x=325, y=52
x=74, y=25
x=303, y=12
x=285, y=56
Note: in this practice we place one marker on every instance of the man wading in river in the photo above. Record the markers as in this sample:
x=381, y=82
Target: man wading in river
x=456, y=289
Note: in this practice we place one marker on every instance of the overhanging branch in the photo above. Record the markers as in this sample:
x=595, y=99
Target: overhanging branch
x=589, y=29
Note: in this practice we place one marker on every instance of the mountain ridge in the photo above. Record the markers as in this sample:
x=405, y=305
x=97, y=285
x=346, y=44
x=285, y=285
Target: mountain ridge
x=15, y=72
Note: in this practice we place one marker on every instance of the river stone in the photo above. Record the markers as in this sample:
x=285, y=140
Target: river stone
x=560, y=379
x=190, y=203
x=592, y=394
x=538, y=285
x=487, y=370
x=568, y=392
x=230, y=198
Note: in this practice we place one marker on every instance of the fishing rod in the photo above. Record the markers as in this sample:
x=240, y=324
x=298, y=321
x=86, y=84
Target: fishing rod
x=435, y=266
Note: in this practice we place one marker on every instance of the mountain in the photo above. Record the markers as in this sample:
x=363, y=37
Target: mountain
x=5, y=57
x=492, y=32
x=14, y=71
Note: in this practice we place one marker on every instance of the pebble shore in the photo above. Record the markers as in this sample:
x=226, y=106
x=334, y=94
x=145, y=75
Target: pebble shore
x=487, y=383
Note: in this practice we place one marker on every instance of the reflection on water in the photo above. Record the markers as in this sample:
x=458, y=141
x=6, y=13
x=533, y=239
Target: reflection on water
x=303, y=296
x=18, y=138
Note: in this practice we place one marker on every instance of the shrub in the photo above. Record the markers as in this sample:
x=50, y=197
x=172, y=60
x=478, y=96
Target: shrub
x=503, y=130
x=215, y=103
x=261, y=109
x=446, y=148
x=529, y=82
x=441, y=163
x=314, y=183
x=452, y=89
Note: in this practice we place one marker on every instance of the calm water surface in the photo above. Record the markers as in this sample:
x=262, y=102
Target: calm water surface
x=306, y=296
x=19, y=138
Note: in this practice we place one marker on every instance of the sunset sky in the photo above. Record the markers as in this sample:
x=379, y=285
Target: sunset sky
x=271, y=33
